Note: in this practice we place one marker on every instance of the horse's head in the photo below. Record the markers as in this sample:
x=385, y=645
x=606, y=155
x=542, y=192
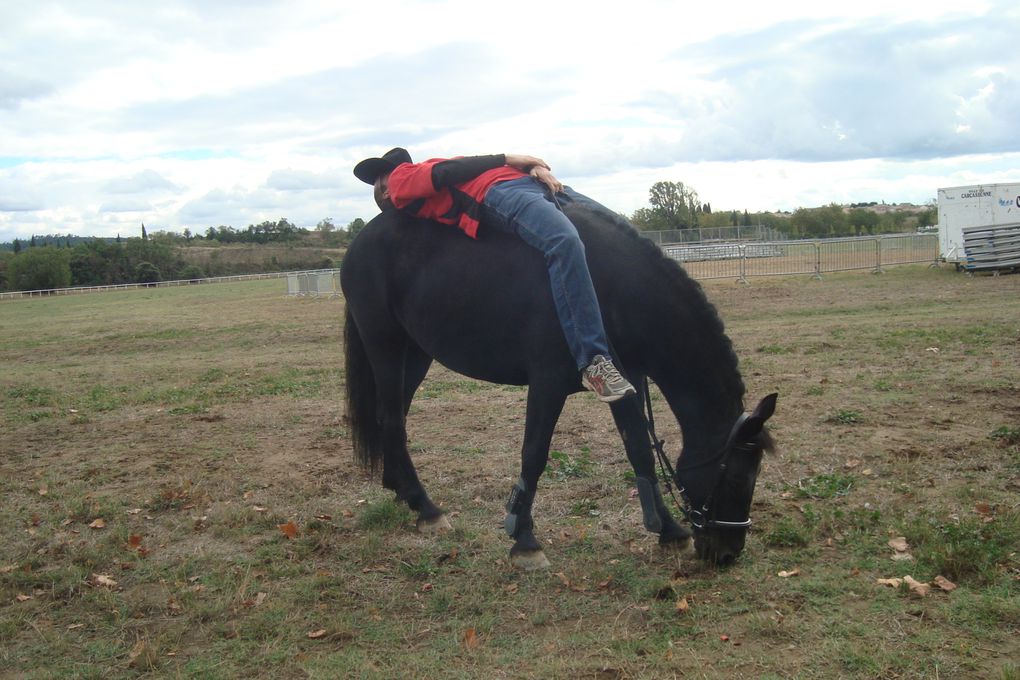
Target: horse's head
x=719, y=490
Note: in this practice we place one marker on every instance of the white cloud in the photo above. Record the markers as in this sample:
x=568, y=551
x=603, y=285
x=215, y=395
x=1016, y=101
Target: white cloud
x=195, y=114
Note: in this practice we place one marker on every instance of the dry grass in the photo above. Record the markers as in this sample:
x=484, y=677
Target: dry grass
x=195, y=421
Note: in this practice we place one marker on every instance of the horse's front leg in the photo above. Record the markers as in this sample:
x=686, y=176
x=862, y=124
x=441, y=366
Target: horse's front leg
x=657, y=518
x=544, y=407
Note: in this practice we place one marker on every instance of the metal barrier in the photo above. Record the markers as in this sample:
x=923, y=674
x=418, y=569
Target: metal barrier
x=786, y=258
x=321, y=283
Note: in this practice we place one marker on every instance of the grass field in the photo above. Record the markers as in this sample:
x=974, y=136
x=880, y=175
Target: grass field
x=179, y=500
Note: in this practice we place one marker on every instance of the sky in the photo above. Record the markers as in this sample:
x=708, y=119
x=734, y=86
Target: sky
x=198, y=113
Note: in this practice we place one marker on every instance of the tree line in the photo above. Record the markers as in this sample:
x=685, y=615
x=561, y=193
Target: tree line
x=61, y=261
x=676, y=206
x=47, y=262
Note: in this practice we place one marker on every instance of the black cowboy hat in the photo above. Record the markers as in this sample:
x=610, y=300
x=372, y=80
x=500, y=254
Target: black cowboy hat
x=368, y=170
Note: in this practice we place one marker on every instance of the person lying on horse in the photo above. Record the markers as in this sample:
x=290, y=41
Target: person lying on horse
x=513, y=193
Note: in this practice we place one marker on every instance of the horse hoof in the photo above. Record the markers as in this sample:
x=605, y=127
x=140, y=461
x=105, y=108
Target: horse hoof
x=436, y=525
x=530, y=560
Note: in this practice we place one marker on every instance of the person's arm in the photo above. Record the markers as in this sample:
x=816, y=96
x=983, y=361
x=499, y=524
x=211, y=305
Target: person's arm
x=455, y=171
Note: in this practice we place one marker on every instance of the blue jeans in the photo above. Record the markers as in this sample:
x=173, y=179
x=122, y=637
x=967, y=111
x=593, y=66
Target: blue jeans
x=522, y=207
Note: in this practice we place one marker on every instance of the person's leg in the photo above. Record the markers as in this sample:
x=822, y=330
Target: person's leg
x=524, y=210
x=521, y=206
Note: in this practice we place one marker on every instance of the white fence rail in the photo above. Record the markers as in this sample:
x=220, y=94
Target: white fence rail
x=165, y=284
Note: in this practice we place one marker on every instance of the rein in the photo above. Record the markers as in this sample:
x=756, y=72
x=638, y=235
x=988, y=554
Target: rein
x=699, y=519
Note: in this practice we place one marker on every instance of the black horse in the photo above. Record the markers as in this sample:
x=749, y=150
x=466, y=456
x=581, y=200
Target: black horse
x=418, y=291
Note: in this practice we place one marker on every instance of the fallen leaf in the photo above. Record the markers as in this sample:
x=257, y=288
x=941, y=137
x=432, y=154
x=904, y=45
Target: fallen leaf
x=902, y=557
x=982, y=508
x=260, y=598
x=512, y=588
x=470, y=638
x=43, y=490
x=788, y=574
x=259, y=508
x=682, y=605
x=894, y=582
x=134, y=541
x=289, y=530
x=8, y=568
x=142, y=655
x=724, y=638
x=919, y=589
x=317, y=634
x=98, y=523
x=134, y=511
x=324, y=517
x=944, y=584
x=22, y=598
x=103, y=580
x=76, y=626
x=899, y=544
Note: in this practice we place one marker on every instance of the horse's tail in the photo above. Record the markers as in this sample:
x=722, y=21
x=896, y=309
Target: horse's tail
x=361, y=398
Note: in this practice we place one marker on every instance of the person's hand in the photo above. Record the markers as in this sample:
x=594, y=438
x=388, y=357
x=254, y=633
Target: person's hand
x=524, y=162
x=546, y=177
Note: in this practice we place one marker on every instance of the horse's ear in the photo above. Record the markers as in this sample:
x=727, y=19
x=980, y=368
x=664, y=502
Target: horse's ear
x=756, y=420
x=766, y=407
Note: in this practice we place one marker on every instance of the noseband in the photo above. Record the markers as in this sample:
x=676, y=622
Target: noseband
x=702, y=518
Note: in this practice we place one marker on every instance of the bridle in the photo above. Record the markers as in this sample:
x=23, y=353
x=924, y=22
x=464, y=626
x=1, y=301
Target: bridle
x=700, y=518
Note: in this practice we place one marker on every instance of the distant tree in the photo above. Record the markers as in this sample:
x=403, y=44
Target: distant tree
x=5, y=260
x=675, y=203
x=146, y=272
x=191, y=272
x=928, y=218
x=647, y=219
x=17, y=246
x=356, y=225
x=40, y=269
x=145, y=236
x=862, y=221
x=31, y=244
x=325, y=226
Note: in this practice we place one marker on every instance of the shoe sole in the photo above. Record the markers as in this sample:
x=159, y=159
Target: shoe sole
x=608, y=399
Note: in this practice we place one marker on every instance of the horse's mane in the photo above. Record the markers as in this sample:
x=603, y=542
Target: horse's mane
x=626, y=238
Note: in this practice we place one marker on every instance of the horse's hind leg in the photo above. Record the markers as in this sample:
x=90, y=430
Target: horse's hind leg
x=544, y=407
x=396, y=382
x=656, y=516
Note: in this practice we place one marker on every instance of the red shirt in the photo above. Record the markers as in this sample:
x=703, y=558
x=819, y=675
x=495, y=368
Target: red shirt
x=411, y=189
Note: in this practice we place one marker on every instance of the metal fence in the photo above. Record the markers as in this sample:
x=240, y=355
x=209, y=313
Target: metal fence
x=784, y=258
x=751, y=232
x=322, y=283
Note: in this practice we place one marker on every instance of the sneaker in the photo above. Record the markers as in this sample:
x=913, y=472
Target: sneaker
x=602, y=378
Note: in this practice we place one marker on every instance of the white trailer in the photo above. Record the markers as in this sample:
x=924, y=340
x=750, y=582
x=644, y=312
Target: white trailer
x=978, y=224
